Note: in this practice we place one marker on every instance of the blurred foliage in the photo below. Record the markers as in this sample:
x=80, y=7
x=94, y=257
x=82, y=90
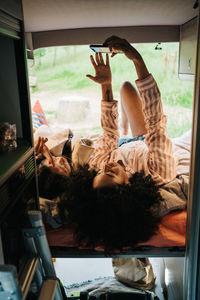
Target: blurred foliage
x=63, y=69
x=40, y=52
x=67, y=70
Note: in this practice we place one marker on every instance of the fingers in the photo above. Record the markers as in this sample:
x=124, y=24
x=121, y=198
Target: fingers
x=101, y=58
x=116, y=44
x=91, y=77
x=46, y=152
x=93, y=62
x=37, y=144
x=97, y=58
x=107, y=59
x=111, y=38
x=40, y=144
x=113, y=54
x=51, y=160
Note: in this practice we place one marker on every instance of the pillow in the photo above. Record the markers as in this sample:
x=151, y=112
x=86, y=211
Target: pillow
x=57, y=138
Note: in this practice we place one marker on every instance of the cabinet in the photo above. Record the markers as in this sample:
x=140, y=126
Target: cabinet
x=187, y=54
x=18, y=182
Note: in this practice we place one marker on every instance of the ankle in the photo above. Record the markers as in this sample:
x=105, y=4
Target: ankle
x=123, y=131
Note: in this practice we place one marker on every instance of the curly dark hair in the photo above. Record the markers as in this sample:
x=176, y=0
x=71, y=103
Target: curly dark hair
x=51, y=184
x=113, y=217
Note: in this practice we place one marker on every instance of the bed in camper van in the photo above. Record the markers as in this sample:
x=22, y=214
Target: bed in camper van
x=26, y=26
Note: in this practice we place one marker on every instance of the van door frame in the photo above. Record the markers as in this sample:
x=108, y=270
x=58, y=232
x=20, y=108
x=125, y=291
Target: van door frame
x=192, y=255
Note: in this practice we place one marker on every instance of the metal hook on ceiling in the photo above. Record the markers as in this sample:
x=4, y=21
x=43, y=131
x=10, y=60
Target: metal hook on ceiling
x=158, y=47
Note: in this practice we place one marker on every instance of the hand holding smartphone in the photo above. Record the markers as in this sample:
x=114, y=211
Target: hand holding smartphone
x=103, y=49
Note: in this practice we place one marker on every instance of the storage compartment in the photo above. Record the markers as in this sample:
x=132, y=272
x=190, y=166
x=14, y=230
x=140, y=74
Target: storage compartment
x=17, y=163
x=14, y=102
x=187, y=55
x=10, y=107
x=11, y=190
x=14, y=218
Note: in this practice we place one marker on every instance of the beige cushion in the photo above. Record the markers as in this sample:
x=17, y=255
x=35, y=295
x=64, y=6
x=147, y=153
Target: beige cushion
x=134, y=272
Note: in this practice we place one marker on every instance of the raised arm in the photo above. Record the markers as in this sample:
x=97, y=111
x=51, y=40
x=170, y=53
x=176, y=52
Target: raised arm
x=116, y=43
x=109, y=113
x=103, y=76
x=42, y=149
x=160, y=160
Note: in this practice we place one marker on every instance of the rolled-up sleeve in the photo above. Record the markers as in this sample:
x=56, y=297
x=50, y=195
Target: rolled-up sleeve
x=109, y=141
x=161, y=162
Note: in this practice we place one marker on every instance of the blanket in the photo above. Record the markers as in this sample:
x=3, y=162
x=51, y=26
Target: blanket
x=175, y=193
x=106, y=286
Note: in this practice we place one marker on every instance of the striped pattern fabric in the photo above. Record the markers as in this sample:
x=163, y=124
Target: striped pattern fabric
x=109, y=141
x=38, y=115
x=154, y=155
x=37, y=119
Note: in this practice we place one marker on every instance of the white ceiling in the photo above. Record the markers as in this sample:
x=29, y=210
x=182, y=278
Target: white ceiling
x=45, y=15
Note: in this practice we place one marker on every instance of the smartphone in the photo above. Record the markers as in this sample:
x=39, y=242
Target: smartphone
x=103, y=49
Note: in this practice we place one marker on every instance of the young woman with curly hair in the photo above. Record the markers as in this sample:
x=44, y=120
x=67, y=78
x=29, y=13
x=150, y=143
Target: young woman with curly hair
x=113, y=200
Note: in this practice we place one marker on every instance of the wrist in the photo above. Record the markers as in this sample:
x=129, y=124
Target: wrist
x=134, y=55
x=138, y=59
x=107, y=94
x=108, y=83
x=141, y=68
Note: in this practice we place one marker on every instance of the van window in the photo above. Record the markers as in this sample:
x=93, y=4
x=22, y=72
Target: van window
x=71, y=100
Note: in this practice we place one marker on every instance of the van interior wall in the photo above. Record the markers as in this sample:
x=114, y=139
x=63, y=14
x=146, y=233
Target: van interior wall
x=86, y=36
x=83, y=22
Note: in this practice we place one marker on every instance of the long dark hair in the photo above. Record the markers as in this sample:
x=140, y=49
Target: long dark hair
x=51, y=184
x=113, y=217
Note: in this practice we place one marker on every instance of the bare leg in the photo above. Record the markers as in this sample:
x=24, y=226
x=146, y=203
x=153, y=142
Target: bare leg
x=124, y=123
x=132, y=110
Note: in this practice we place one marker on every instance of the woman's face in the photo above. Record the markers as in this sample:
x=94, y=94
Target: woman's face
x=113, y=173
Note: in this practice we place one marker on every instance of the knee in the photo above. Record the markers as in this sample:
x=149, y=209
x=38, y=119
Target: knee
x=127, y=87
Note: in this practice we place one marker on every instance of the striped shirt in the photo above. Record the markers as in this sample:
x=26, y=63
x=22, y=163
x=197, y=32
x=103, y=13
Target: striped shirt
x=154, y=155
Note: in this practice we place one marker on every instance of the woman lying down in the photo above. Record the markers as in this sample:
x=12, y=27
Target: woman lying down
x=115, y=196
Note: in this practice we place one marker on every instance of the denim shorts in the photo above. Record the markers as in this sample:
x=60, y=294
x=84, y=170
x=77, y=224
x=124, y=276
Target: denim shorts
x=123, y=141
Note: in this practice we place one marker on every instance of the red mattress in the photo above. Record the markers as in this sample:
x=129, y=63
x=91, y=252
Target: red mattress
x=172, y=232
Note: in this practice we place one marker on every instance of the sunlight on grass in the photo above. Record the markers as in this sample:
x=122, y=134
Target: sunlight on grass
x=179, y=119
x=64, y=69
x=67, y=69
